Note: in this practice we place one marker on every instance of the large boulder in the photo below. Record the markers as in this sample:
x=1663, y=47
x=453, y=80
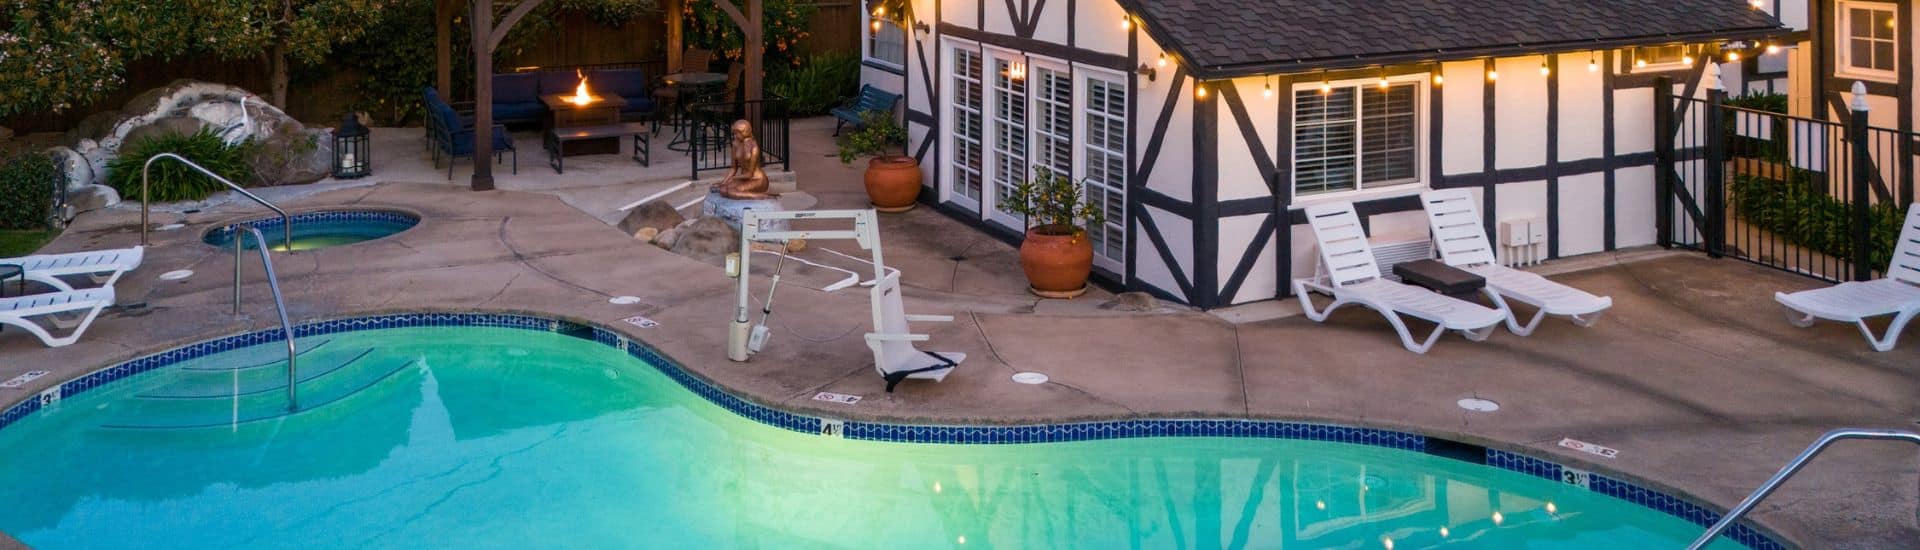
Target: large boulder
x=657, y=215
x=707, y=239
x=186, y=106
x=75, y=168
x=92, y=197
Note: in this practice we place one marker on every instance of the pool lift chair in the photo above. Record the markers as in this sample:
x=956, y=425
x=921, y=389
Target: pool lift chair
x=894, y=355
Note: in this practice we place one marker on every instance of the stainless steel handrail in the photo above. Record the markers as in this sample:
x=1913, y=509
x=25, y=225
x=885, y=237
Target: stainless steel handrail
x=285, y=220
x=273, y=282
x=1793, y=467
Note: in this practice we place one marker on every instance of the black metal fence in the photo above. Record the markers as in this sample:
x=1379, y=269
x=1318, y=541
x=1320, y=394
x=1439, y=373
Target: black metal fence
x=709, y=137
x=1820, y=198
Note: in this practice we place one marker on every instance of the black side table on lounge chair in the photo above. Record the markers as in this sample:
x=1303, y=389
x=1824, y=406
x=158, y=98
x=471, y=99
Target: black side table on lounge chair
x=1439, y=277
x=11, y=271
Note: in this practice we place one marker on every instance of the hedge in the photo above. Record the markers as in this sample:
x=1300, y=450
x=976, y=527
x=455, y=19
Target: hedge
x=27, y=183
x=1803, y=213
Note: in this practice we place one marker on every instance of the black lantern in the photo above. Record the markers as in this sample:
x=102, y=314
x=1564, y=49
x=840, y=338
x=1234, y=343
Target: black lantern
x=350, y=149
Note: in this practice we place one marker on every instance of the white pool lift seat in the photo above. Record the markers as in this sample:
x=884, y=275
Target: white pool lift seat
x=1353, y=278
x=1461, y=238
x=894, y=354
x=104, y=266
x=1898, y=294
x=55, y=306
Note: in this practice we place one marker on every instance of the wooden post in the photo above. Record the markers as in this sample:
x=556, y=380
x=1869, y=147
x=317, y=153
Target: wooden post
x=482, y=24
x=443, y=47
x=676, y=35
x=1663, y=165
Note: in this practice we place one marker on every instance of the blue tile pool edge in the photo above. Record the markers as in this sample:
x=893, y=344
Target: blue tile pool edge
x=271, y=223
x=1744, y=532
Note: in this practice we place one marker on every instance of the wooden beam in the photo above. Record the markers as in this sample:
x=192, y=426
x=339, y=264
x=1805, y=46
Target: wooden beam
x=499, y=32
x=443, y=46
x=481, y=19
x=676, y=35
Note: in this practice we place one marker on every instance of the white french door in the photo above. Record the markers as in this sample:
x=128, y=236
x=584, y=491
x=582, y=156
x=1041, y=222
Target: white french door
x=965, y=140
x=1007, y=136
x=1103, y=164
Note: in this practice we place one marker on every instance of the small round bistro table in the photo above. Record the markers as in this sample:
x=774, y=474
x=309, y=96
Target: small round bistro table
x=695, y=87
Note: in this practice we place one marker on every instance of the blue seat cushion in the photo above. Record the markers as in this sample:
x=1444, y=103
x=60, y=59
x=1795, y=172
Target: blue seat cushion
x=463, y=141
x=638, y=104
x=518, y=111
x=627, y=83
x=515, y=88
x=557, y=82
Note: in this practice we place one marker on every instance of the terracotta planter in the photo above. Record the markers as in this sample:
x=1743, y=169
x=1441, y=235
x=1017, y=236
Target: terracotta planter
x=1057, y=266
x=893, y=183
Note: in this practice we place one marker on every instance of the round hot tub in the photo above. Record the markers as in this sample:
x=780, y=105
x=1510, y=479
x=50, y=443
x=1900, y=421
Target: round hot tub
x=313, y=230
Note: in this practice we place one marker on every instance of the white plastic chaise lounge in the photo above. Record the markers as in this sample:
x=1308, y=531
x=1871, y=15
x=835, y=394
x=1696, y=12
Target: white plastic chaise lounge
x=104, y=266
x=1855, y=302
x=892, y=341
x=54, y=306
x=1352, y=278
x=1463, y=244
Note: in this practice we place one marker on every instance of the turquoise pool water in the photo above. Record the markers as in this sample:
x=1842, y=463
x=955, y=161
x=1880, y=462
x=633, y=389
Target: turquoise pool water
x=497, y=437
x=320, y=229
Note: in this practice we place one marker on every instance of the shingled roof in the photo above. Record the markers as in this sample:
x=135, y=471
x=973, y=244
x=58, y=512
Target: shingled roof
x=1224, y=38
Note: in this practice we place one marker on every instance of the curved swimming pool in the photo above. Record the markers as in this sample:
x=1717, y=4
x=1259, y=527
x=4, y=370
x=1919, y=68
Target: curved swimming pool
x=429, y=430
x=313, y=230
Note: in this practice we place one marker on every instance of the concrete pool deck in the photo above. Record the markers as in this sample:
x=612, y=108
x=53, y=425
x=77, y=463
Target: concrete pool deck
x=1694, y=376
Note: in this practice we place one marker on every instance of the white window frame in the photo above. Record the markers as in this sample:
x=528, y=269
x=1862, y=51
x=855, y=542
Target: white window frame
x=1843, y=41
x=1423, y=150
x=1081, y=75
x=869, y=37
x=949, y=141
x=990, y=165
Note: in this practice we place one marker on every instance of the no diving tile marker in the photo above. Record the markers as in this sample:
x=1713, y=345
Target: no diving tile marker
x=840, y=398
x=1589, y=448
x=641, y=321
x=23, y=379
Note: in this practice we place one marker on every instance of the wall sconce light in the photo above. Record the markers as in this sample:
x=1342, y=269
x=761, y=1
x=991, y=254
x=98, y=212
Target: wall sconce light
x=1149, y=72
x=922, y=27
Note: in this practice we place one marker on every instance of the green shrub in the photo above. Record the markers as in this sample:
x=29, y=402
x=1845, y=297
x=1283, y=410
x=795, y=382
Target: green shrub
x=173, y=181
x=1801, y=212
x=819, y=84
x=27, y=182
x=1760, y=101
x=879, y=135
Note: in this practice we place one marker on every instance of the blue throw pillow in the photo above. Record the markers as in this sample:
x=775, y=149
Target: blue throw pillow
x=516, y=88
x=626, y=83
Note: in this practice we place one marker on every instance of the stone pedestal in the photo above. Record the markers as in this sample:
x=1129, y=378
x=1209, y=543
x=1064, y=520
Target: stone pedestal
x=733, y=211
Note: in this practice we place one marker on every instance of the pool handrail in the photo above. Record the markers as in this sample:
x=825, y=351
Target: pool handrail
x=273, y=282
x=1793, y=467
x=285, y=220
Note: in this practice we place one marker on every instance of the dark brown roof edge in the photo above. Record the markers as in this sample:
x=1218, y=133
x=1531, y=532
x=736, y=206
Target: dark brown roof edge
x=1428, y=56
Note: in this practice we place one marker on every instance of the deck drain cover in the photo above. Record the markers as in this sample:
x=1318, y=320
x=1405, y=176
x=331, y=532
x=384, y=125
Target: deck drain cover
x=1476, y=404
x=624, y=300
x=176, y=275
x=1030, y=378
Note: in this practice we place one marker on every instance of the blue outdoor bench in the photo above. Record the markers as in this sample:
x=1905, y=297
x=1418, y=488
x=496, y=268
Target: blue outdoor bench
x=871, y=99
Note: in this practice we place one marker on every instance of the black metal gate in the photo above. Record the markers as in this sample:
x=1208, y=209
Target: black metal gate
x=710, y=132
x=1819, y=198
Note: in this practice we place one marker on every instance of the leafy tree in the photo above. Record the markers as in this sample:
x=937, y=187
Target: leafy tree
x=786, y=24
x=285, y=30
x=56, y=54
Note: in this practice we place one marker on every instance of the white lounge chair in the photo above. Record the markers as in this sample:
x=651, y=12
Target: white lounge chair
x=1897, y=295
x=1352, y=277
x=104, y=266
x=21, y=311
x=892, y=342
x=1463, y=244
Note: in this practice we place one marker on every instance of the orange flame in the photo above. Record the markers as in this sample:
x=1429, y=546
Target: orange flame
x=580, y=94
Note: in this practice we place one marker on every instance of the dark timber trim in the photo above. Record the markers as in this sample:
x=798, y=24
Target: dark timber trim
x=1151, y=156
x=1166, y=255
x=1609, y=201
x=1206, y=195
x=1489, y=128
x=871, y=64
x=1039, y=47
x=1553, y=157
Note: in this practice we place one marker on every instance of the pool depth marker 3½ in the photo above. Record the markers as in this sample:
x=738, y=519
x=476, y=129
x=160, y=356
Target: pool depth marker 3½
x=742, y=340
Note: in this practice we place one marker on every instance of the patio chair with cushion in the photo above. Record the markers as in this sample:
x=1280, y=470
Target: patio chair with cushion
x=629, y=84
x=870, y=99
x=1353, y=278
x=516, y=98
x=454, y=140
x=1897, y=295
x=1462, y=241
x=892, y=340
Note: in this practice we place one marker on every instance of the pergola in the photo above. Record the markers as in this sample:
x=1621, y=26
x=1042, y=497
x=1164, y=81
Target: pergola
x=749, y=15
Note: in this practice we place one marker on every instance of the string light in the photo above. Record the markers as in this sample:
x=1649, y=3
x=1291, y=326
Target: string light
x=1733, y=56
x=1126, y=22
x=1383, y=79
x=1439, y=79
x=1269, y=92
x=1163, y=59
x=1687, y=58
x=1773, y=49
x=1639, y=63
x=1593, y=62
x=1757, y=4
x=1200, y=91
x=1544, y=69
x=1493, y=75
x=1325, y=87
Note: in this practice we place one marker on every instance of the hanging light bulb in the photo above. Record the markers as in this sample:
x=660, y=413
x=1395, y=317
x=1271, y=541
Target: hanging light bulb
x=1773, y=49
x=1687, y=60
x=1733, y=56
x=1325, y=87
x=1126, y=22
x=1593, y=62
x=1639, y=63
x=1200, y=91
x=1438, y=79
x=1163, y=59
x=880, y=11
x=1757, y=4
x=1544, y=69
x=1383, y=82
x=1493, y=75
x=876, y=26
x=1269, y=92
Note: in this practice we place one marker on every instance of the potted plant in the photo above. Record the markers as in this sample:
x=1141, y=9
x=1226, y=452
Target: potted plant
x=1057, y=255
x=893, y=178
